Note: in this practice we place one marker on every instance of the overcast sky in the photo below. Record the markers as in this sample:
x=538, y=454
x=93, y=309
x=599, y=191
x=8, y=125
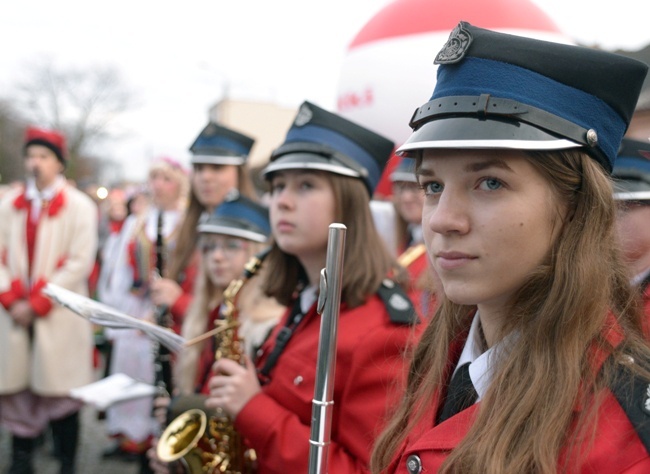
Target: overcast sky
x=182, y=58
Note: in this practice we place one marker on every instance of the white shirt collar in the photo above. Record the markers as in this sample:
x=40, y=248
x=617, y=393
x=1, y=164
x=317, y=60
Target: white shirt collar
x=308, y=298
x=36, y=197
x=416, y=233
x=481, y=366
x=640, y=277
x=47, y=194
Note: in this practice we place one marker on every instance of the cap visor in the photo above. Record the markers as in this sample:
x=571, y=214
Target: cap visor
x=217, y=160
x=232, y=231
x=472, y=132
x=403, y=176
x=307, y=161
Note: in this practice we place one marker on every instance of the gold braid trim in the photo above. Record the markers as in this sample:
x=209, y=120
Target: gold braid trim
x=411, y=254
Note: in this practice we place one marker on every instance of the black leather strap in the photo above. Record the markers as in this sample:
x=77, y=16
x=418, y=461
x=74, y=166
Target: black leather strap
x=281, y=340
x=486, y=105
x=633, y=394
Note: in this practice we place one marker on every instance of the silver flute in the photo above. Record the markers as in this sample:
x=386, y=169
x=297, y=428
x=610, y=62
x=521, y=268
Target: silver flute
x=329, y=302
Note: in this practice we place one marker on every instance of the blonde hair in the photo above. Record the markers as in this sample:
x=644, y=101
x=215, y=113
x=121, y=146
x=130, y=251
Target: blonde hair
x=174, y=170
x=207, y=297
x=525, y=423
x=367, y=261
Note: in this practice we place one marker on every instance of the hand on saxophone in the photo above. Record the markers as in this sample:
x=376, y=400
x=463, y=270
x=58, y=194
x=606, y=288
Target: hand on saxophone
x=155, y=464
x=232, y=386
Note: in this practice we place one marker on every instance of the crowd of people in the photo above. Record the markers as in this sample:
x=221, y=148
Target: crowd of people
x=516, y=263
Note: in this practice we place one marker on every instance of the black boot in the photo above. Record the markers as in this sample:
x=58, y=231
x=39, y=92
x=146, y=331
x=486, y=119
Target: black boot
x=21, y=455
x=65, y=434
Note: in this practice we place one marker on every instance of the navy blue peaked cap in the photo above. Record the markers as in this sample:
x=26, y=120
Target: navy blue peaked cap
x=219, y=145
x=496, y=90
x=404, y=171
x=632, y=171
x=322, y=140
x=238, y=216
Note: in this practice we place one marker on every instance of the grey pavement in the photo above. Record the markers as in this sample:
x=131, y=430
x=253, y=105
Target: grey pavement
x=92, y=443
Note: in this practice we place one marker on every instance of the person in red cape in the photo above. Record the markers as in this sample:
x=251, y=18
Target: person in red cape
x=536, y=360
x=324, y=172
x=48, y=235
x=234, y=233
x=408, y=199
x=144, y=244
x=219, y=156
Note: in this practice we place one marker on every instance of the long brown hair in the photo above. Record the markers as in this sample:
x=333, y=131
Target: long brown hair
x=366, y=262
x=526, y=420
x=188, y=236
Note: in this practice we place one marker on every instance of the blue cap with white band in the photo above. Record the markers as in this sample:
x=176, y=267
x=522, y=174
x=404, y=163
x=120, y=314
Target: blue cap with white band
x=496, y=90
x=238, y=216
x=220, y=145
x=321, y=140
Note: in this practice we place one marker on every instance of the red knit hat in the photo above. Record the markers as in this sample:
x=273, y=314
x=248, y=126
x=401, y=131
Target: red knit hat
x=52, y=139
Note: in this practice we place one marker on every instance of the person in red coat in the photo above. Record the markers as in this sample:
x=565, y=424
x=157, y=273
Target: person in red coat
x=408, y=200
x=632, y=192
x=48, y=234
x=535, y=360
x=219, y=156
x=324, y=172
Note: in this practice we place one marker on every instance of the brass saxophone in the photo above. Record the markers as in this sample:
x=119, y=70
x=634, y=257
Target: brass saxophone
x=211, y=445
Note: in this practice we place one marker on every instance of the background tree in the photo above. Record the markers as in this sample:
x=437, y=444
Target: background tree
x=11, y=142
x=81, y=102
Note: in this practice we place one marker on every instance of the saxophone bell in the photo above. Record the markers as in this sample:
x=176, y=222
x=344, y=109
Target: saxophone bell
x=211, y=445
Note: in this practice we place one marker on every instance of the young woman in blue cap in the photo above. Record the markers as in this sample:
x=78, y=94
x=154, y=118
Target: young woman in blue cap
x=408, y=201
x=237, y=230
x=535, y=360
x=632, y=193
x=324, y=172
x=219, y=156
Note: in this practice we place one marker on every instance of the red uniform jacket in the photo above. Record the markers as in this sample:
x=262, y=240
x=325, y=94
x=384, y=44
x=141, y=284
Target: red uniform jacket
x=369, y=368
x=185, y=281
x=617, y=447
x=182, y=303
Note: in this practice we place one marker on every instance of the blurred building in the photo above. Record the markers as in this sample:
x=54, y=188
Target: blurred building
x=266, y=122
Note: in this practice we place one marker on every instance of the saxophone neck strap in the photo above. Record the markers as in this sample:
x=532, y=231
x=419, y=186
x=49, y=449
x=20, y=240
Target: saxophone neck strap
x=281, y=340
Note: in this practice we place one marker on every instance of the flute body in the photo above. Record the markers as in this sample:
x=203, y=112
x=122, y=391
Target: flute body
x=329, y=302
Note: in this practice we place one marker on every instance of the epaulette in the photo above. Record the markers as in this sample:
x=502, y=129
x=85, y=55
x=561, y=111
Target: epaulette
x=633, y=394
x=399, y=306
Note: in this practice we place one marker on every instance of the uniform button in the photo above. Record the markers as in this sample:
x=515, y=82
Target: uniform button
x=298, y=380
x=413, y=464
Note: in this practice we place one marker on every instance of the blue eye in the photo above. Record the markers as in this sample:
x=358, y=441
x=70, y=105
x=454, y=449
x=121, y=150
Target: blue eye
x=432, y=188
x=491, y=184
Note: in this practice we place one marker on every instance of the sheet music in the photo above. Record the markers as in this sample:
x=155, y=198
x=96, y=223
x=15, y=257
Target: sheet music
x=103, y=315
x=113, y=389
